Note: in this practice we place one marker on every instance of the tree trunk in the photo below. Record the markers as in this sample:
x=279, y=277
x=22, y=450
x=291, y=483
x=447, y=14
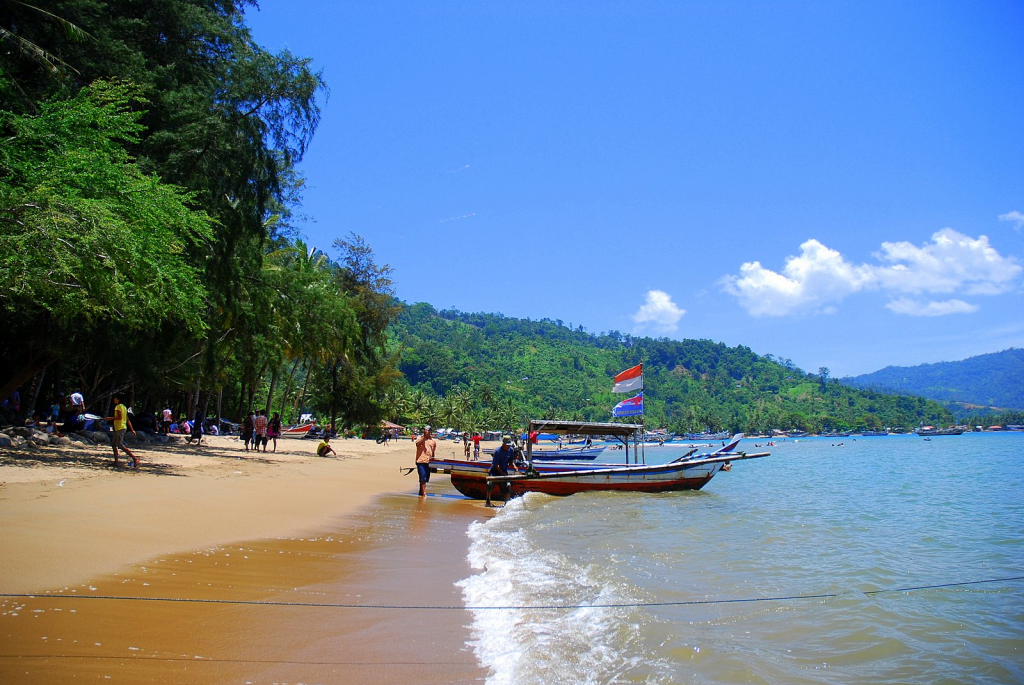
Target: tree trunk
x=334, y=394
x=252, y=387
x=288, y=387
x=273, y=385
x=34, y=366
x=300, y=396
x=241, y=400
x=29, y=408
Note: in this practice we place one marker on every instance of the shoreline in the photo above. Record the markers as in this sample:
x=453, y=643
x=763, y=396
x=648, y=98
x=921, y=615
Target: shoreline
x=68, y=515
x=346, y=531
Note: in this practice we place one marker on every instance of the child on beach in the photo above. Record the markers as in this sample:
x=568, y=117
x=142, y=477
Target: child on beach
x=121, y=424
x=324, y=447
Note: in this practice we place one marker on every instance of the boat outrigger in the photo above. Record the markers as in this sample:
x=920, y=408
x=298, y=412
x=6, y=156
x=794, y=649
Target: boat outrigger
x=691, y=471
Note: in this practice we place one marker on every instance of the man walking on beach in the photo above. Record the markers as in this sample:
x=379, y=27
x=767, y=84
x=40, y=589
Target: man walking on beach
x=425, y=448
x=476, y=446
x=501, y=462
x=121, y=424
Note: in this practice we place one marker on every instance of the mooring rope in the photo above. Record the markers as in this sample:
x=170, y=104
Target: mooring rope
x=564, y=607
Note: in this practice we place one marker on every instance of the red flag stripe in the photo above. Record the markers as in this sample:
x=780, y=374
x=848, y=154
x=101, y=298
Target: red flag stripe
x=637, y=370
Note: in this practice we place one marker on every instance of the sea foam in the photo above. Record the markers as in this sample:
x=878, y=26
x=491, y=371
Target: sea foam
x=534, y=613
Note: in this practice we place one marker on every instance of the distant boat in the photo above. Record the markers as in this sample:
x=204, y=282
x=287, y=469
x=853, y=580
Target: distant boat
x=874, y=433
x=570, y=453
x=931, y=430
x=297, y=431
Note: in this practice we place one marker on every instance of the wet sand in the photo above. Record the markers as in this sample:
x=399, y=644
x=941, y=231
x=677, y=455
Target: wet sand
x=319, y=531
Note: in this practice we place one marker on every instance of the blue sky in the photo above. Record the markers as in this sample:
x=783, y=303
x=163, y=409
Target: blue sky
x=836, y=183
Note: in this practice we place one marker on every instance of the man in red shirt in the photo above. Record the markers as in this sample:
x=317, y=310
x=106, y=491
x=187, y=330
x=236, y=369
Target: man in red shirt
x=476, y=446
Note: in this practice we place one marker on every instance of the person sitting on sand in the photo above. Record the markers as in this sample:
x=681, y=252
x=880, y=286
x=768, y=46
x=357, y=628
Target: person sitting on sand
x=121, y=424
x=324, y=447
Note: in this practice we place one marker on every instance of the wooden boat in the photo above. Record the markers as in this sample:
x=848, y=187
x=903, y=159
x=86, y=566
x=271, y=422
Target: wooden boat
x=689, y=472
x=297, y=431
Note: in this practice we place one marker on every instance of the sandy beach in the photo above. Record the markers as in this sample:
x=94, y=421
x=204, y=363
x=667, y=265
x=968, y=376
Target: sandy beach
x=187, y=552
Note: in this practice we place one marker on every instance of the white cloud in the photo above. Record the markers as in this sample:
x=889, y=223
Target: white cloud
x=811, y=281
x=905, y=305
x=820, y=277
x=659, y=314
x=952, y=262
x=1016, y=217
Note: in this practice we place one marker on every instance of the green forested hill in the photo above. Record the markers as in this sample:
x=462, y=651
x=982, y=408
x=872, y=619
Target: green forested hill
x=988, y=380
x=477, y=362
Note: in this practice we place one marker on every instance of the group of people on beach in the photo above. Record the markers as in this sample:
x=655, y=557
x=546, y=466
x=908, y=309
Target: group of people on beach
x=474, y=441
x=259, y=430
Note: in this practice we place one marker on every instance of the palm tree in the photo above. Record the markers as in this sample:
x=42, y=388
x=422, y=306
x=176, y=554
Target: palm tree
x=52, y=64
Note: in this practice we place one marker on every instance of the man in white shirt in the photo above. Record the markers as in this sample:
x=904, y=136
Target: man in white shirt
x=77, y=403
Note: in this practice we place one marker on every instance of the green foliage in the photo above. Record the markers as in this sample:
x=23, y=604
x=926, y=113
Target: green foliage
x=85, y=236
x=165, y=208
x=548, y=370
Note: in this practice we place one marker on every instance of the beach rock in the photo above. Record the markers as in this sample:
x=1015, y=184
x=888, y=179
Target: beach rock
x=40, y=436
x=17, y=441
x=21, y=431
x=161, y=439
x=30, y=444
x=5, y=440
x=79, y=438
x=100, y=438
x=175, y=438
x=62, y=440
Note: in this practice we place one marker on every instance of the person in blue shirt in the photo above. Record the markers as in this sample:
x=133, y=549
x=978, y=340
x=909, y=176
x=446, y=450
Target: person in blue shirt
x=501, y=462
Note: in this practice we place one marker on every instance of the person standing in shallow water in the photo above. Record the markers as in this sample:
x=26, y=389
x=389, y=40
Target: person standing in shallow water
x=426, y=446
x=121, y=424
x=501, y=462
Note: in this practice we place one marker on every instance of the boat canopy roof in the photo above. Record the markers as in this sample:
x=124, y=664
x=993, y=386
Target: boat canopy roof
x=584, y=428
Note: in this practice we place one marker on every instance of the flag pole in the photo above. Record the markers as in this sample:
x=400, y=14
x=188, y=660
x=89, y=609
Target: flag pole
x=643, y=425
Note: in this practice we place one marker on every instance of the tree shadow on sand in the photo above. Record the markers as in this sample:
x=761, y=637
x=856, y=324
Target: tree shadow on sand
x=42, y=458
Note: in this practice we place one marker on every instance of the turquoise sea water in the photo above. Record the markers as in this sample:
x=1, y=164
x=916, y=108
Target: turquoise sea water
x=785, y=570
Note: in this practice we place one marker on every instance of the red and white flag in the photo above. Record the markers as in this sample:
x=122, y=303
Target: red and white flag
x=630, y=380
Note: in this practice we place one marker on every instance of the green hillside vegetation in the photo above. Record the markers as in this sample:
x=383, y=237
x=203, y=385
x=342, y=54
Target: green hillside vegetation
x=995, y=381
x=149, y=192
x=487, y=370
